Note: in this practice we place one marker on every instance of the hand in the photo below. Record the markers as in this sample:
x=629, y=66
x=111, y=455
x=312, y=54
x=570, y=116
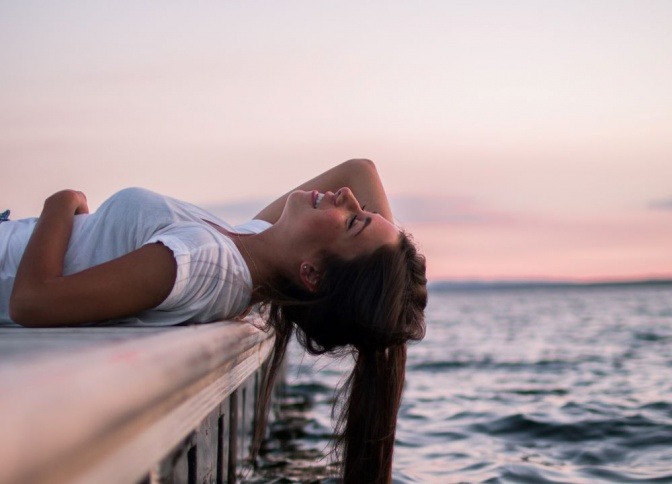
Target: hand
x=72, y=199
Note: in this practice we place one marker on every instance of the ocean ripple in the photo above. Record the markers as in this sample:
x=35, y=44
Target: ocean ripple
x=539, y=386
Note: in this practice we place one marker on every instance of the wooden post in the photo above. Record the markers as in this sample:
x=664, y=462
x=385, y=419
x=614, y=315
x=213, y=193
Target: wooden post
x=206, y=448
x=233, y=436
x=223, y=441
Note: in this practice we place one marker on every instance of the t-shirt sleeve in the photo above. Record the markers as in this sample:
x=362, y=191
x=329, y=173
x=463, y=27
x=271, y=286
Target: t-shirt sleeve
x=200, y=265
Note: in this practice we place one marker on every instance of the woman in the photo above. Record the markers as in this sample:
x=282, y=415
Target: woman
x=339, y=272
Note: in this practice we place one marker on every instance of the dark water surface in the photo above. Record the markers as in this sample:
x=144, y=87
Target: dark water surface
x=537, y=385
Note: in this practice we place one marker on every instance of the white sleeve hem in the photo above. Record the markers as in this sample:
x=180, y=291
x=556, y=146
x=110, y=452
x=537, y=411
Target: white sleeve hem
x=181, y=256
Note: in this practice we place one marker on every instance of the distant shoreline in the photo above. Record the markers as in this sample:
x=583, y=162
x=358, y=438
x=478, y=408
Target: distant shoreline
x=443, y=286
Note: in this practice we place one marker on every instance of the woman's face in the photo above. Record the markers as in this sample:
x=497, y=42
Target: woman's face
x=335, y=223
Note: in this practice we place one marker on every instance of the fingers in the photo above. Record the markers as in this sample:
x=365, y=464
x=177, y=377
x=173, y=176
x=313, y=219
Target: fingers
x=83, y=206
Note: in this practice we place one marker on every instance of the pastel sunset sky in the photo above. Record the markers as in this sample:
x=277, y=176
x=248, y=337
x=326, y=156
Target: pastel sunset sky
x=516, y=139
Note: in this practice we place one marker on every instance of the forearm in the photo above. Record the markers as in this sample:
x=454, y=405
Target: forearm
x=43, y=258
x=359, y=175
x=366, y=185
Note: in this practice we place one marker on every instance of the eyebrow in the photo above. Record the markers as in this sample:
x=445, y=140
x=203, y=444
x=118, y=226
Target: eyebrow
x=367, y=221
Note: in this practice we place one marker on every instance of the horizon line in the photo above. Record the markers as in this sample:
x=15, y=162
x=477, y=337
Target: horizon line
x=538, y=282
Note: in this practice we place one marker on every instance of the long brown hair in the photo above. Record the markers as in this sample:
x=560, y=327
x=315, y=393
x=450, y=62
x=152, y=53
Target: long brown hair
x=370, y=307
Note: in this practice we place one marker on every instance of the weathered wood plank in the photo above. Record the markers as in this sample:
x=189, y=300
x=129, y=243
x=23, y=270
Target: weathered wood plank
x=223, y=442
x=19, y=345
x=248, y=416
x=174, y=467
x=180, y=474
x=136, y=453
x=127, y=402
x=206, y=448
x=233, y=436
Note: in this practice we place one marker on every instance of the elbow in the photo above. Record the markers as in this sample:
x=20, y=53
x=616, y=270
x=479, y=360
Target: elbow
x=19, y=314
x=361, y=167
x=362, y=163
x=23, y=312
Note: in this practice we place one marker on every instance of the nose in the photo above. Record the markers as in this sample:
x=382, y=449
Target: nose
x=346, y=198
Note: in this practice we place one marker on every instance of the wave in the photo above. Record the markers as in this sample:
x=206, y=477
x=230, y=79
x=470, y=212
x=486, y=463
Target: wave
x=635, y=431
x=545, y=365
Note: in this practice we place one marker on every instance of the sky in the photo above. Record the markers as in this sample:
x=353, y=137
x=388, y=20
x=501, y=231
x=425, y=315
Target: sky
x=516, y=139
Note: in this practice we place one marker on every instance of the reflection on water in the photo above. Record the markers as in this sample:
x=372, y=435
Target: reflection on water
x=538, y=385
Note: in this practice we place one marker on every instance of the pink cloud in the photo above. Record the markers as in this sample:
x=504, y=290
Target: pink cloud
x=584, y=247
x=661, y=204
x=413, y=209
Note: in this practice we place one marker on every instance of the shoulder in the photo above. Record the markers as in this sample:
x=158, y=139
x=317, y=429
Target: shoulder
x=254, y=226
x=133, y=199
x=189, y=237
x=135, y=195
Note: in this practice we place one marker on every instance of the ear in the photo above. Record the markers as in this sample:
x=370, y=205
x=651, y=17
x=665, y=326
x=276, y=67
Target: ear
x=310, y=275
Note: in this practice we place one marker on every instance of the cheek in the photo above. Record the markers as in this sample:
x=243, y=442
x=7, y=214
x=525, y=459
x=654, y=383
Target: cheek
x=328, y=222
x=317, y=226
x=328, y=230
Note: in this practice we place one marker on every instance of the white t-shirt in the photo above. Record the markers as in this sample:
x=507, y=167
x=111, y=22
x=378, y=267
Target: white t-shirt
x=213, y=282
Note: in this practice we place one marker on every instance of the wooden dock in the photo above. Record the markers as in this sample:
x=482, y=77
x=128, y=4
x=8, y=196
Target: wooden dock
x=128, y=405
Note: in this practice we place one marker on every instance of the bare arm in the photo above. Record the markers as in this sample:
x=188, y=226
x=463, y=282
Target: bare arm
x=359, y=175
x=42, y=296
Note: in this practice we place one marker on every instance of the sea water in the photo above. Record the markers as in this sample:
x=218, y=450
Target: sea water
x=544, y=385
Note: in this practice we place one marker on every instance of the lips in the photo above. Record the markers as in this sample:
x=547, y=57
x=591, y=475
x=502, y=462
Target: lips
x=317, y=198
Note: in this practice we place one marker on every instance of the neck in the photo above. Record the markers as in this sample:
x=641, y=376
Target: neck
x=264, y=260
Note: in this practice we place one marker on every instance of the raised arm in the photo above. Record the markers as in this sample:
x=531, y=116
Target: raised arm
x=360, y=175
x=42, y=296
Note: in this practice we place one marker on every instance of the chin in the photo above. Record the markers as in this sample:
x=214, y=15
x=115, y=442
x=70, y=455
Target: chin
x=297, y=202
